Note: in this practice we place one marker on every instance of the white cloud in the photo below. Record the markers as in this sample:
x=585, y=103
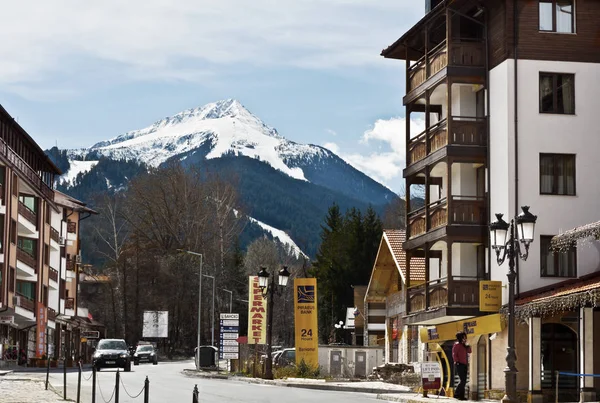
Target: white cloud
x=188, y=39
x=332, y=132
x=386, y=163
x=333, y=147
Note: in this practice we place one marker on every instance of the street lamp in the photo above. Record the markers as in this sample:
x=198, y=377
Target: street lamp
x=197, y=358
x=212, y=314
x=230, y=299
x=522, y=233
x=263, y=283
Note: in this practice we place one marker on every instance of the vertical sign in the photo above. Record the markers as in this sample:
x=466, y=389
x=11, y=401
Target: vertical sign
x=230, y=331
x=306, y=321
x=490, y=296
x=257, y=313
x=40, y=342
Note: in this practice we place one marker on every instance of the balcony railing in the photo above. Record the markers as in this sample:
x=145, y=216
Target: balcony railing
x=71, y=264
x=463, y=52
x=21, y=166
x=70, y=303
x=25, y=303
x=465, y=210
x=29, y=214
x=464, y=131
x=51, y=314
x=53, y=274
x=27, y=258
x=54, y=235
x=464, y=292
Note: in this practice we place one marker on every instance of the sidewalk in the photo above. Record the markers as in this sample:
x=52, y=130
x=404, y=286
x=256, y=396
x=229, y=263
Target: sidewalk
x=15, y=388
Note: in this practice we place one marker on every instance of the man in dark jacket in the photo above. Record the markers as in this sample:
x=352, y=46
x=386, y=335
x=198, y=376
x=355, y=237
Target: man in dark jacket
x=460, y=356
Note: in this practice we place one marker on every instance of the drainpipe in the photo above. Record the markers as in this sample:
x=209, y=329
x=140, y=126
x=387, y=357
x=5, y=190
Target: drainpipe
x=516, y=111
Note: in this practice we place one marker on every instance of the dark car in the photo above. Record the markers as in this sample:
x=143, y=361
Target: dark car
x=112, y=353
x=145, y=353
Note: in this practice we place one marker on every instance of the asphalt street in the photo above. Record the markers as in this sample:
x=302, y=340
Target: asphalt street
x=169, y=385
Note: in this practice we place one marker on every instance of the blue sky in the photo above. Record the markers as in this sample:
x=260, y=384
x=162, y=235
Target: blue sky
x=74, y=73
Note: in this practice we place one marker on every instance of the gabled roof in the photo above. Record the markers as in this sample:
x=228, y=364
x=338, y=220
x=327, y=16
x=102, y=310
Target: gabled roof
x=64, y=200
x=394, y=239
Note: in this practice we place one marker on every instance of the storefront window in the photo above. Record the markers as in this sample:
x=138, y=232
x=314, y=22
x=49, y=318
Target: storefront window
x=559, y=353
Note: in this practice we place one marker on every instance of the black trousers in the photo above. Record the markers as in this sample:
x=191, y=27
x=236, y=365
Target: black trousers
x=461, y=370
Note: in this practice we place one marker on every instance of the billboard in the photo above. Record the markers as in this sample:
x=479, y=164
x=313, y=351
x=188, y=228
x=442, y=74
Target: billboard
x=257, y=313
x=155, y=324
x=306, y=321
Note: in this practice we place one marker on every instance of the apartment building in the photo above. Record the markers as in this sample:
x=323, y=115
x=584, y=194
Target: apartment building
x=506, y=90
x=39, y=251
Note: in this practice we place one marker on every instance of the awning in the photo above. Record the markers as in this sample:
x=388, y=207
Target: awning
x=568, y=239
x=565, y=297
x=472, y=327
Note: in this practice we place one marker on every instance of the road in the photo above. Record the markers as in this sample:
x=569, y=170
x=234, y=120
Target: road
x=169, y=385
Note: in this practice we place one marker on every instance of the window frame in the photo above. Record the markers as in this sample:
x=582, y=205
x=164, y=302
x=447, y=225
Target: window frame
x=554, y=19
x=555, y=76
x=556, y=260
x=555, y=176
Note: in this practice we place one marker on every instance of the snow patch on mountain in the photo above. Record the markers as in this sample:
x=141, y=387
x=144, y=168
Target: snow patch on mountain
x=225, y=127
x=76, y=168
x=281, y=236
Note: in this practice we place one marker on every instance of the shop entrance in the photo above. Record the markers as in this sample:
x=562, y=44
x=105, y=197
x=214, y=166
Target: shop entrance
x=560, y=349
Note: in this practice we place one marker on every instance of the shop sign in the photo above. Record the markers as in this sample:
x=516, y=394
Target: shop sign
x=431, y=375
x=306, y=321
x=7, y=320
x=490, y=296
x=480, y=325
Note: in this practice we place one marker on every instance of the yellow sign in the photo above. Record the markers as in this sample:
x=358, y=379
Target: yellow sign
x=257, y=313
x=490, y=296
x=83, y=340
x=447, y=331
x=306, y=321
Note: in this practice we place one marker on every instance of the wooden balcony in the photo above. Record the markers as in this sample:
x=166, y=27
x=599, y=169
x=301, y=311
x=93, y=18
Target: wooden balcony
x=70, y=303
x=26, y=171
x=54, y=235
x=51, y=314
x=53, y=274
x=463, y=292
x=462, y=53
x=460, y=131
x=28, y=214
x=71, y=264
x=72, y=227
x=27, y=258
x=465, y=210
x=25, y=303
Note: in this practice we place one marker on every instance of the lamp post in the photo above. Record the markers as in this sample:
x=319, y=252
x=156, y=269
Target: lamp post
x=506, y=239
x=230, y=299
x=197, y=358
x=263, y=283
x=212, y=314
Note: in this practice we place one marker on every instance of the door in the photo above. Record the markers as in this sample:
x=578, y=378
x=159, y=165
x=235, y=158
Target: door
x=481, y=367
x=335, y=363
x=360, y=364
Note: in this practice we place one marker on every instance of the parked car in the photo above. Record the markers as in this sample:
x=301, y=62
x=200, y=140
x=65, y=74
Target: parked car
x=286, y=358
x=145, y=353
x=112, y=353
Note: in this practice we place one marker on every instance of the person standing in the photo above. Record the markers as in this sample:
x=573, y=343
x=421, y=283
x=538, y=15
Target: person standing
x=460, y=356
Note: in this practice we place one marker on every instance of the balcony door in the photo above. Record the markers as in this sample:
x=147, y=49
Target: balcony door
x=480, y=103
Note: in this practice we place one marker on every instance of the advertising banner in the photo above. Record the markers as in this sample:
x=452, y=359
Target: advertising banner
x=490, y=296
x=431, y=375
x=447, y=331
x=257, y=313
x=229, y=324
x=41, y=330
x=306, y=321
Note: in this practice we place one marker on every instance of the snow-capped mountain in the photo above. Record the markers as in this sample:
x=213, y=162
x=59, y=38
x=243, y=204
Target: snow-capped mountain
x=225, y=127
x=285, y=185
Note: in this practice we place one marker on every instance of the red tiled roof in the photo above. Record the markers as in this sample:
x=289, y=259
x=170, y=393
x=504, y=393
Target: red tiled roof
x=394, y=239
x=575, y=287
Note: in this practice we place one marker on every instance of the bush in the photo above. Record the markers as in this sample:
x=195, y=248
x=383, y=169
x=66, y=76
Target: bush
x=304, y=370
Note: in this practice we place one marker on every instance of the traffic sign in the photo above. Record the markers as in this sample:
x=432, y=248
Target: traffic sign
x=230, y=316
x=229, y=356
x=229, y=349
x=229, y=336
x=230, y=329
x=230, y=322
x=228, y=342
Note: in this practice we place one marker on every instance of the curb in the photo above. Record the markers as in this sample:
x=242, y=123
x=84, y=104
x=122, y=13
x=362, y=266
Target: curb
x=338, y=388
x=198, y=374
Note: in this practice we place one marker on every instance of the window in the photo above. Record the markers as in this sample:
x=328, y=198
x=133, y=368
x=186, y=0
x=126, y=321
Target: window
x=29, y=201
x=557, y=174
x=11, y=279
x=13, y=231
x=557, y=264
x=557, y=16
x=557, y=93
x=28, y=245
x=26, y=289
